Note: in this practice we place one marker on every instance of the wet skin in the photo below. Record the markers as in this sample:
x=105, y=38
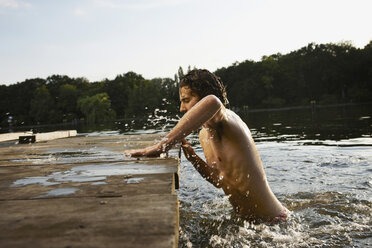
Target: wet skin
x=232, y=160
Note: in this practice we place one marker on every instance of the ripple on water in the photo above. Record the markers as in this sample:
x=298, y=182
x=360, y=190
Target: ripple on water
x=317, y=219
x=328, y=208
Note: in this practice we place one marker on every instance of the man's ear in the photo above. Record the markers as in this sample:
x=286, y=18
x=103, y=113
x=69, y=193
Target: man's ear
x=195, y=94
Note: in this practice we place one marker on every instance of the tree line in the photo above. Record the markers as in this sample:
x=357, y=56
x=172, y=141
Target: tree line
x=59, y=99
x=317, y=73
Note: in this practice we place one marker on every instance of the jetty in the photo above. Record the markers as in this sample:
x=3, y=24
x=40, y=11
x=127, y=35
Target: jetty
x=81, y=191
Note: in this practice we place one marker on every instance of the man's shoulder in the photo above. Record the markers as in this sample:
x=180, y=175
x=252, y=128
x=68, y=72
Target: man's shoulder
x=230, y=112
x=231, y=117
x=234, y=125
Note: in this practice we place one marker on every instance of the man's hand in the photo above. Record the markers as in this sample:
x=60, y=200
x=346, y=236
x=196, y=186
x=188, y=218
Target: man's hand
x=209, y=173
x=151, y=151
x=188, y=150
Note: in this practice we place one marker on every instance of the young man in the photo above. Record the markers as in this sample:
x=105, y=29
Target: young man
x=232, y=160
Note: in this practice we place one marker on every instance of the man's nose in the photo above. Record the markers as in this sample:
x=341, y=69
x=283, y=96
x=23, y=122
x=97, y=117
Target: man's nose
x=182, y=108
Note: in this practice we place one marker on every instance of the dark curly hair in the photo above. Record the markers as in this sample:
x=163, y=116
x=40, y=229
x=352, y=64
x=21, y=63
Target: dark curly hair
x=205, y=83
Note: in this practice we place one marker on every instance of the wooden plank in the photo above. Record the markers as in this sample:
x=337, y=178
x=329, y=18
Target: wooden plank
x=39, y=137
x=12, y=136
x=55, y=135
x=83, y=192
x=131, y=221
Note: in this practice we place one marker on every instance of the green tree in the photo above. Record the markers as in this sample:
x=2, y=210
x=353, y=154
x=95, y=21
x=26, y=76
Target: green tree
x=67, y=101
x=180, y=73
x=42, y=105
x=143, y=98
x=119, y=90
x=97, y=108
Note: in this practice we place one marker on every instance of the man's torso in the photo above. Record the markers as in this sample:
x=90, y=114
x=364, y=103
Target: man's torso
x=228, y=146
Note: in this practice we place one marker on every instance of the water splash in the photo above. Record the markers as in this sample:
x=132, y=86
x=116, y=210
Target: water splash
x=327, y=189
x=158, y=121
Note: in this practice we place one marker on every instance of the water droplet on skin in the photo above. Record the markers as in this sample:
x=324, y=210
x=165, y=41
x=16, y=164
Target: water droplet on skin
x=248, y=176
x=129, y=155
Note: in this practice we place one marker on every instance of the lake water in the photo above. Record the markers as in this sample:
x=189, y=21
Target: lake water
x=319, y=165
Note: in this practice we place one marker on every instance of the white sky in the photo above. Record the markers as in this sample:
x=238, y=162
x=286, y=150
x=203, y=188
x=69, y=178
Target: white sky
x=100, y=39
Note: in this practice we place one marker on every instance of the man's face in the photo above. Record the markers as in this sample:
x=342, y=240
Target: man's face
x=188, y=99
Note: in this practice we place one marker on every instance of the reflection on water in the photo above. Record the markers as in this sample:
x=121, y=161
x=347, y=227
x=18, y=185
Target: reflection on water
x=95, y=173
x=323, y=123
x=59, y=192
x=319, y=165
x=70, y=155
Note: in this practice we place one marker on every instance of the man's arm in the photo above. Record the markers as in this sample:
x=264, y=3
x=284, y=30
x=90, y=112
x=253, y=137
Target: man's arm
x=209, y=173
x=193, y=119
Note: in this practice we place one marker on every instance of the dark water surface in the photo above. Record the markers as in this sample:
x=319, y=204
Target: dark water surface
x=318, y=164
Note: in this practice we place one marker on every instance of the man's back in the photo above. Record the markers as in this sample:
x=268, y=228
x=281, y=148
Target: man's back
x=229, y=148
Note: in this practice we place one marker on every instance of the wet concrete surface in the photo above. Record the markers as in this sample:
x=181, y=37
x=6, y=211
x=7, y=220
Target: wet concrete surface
x=83, y=192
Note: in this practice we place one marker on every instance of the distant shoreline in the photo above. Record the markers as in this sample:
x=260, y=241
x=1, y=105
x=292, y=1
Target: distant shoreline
x=315, y=106
x=67, y=125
